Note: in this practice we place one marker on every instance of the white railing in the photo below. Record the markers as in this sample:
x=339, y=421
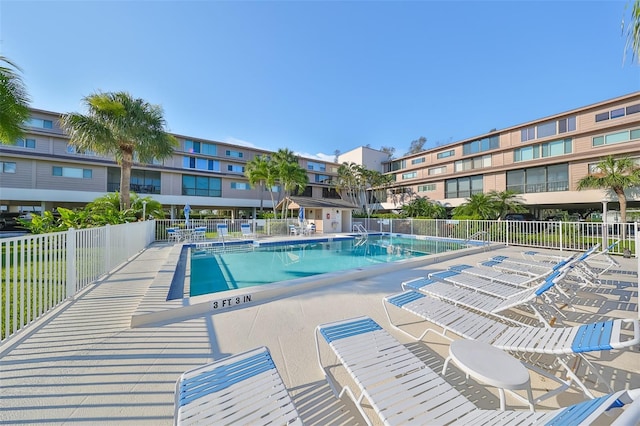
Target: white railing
x=261, y=227
x=578, y=236
x=40, y=272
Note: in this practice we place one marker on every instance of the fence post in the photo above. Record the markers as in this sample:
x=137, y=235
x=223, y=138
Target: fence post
x=560, y=236
x=71, y=263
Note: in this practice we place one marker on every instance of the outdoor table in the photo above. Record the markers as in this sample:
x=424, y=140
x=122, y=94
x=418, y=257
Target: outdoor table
x=491, y=366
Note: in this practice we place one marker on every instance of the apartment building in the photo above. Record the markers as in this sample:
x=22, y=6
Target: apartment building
x=542, y=160
x=42, y=171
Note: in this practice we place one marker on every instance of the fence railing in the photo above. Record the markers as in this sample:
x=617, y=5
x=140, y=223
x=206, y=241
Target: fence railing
x=39, y=272
x=552, y=235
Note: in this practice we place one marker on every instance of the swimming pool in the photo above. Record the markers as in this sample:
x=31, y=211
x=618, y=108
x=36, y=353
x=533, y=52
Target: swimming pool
x=218, y=269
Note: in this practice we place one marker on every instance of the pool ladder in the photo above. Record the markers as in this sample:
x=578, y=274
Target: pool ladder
x=362, y=234
x=475, y=236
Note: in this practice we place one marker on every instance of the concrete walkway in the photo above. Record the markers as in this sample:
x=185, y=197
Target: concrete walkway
x=86, y=365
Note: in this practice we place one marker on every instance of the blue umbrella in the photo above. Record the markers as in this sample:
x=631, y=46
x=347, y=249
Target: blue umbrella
x=301, y=215
x=187, y=210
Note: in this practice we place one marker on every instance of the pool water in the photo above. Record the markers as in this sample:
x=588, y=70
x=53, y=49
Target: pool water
x=221, y=270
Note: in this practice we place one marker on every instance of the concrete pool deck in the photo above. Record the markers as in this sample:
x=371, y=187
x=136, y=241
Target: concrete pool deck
x=85, y=364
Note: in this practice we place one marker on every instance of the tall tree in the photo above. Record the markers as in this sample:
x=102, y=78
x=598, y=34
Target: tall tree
x=119, y=125
x=614, y=175
x=417, y=145
x=14, y=102
x=290, y=175
x=389, y=150
x=633, y=32
x=260, y=171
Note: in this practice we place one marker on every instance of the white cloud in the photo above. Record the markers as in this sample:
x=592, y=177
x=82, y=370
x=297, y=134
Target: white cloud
x=240, y=142
x=319, y=156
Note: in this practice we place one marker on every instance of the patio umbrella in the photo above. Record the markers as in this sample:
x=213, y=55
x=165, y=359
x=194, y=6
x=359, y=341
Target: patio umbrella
x=187, y=210
x=301, y=215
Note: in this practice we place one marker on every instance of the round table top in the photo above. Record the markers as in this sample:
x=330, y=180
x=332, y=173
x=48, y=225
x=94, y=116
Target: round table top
x=489, y=364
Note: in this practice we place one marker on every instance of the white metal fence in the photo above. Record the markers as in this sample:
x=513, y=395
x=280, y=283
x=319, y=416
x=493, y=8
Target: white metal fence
x=553, y=235
x=39, y=272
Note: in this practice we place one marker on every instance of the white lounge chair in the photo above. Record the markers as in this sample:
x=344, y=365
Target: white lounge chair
x=241, y=389
x=487, y=303
x=245, y=228
x=493, y=288
x=402, y=389
x=513, y=336
x=495, y=275
x=595, y=262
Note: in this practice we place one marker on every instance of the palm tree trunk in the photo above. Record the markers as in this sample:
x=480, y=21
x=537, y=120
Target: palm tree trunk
x=261, y=195
x=622, y=199
x=125, y=179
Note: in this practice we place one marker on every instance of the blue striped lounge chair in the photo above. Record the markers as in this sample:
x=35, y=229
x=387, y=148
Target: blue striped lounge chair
x=507, y=334
x=401, y=389
x=241, y=389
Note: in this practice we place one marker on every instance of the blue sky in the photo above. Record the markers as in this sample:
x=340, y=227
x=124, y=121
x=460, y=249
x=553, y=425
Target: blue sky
x=316, y=76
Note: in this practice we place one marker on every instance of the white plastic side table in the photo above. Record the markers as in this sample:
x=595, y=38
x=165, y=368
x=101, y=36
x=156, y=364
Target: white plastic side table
x=491, y=366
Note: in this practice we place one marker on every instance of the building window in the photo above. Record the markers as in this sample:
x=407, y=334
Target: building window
x=418, y=160
x=481, y=145
x=200, y=164
x=527, y=134
x=427, y=188
x=201, y=186
x=236, y=154
x=445, y=154
x=546, y=129
x=7, y=167
x=463, y=187
x=617, y=137
x=240, y=185
x=566, y=125
x=26, y=143
x=322, y=179
x=330, y=193
x=618, y=112
x=539, y=179
x=195, y=147
x=235, y=168
x=437, y=170
x=397, y=165
x=525, y=154
x=72, y=172
x=633, y=109
x=472, y=163
x=561, y=147
x=40, y=123
x=316, y=167
x=410, y=175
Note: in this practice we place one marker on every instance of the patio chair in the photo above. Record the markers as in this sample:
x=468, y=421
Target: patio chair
x=487, y=303
x=402, y=389
x=245, y=228
x=477, y=283
x=594, y=261
x=173, y=235
x=495, y=275
x=199, y=233
x=223, y=230
x=507, y=334
x=241, y=389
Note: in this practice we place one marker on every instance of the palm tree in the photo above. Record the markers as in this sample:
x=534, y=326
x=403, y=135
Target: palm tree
x=614, y=175
x=349, y=181
x=14, y=102
x=289, y=173
x=507, y=201
x=633, y=32
x=120, y=125
x=478, y=206
x=260, y=171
